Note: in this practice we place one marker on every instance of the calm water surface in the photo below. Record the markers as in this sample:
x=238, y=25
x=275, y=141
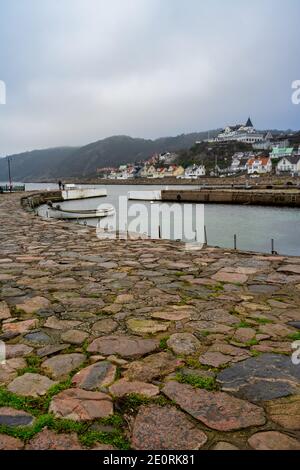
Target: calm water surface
x=254, y=226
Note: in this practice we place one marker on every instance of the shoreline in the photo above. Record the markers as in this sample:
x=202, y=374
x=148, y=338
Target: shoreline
x=239, y=180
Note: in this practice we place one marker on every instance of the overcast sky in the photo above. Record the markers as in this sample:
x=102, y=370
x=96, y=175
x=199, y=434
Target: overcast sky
x=80, y=70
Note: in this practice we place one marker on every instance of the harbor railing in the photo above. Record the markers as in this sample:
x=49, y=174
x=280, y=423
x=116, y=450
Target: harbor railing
x=12, y=189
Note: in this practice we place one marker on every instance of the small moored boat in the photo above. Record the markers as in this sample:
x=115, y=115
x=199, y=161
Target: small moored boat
x=72, y=192
x=58, y=213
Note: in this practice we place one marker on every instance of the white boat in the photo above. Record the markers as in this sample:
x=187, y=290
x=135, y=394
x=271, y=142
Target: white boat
x=57, y=212
x=144, y=195
x=72, y=192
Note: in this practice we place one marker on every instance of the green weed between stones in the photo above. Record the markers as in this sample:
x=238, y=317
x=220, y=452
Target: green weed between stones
x=163, y=342
x=38, y=408
x=86, y=437
x=115, y=438
x=133, y=401
x=255, y=353
x=263, y=321
x=32, y=405
x=217, y=288
x=206, y=383
x=33, y=365
x=252, y=342
x=295, y=336
x=243, y=324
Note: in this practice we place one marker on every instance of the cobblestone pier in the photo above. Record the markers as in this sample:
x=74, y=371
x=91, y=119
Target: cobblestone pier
x=142, y=344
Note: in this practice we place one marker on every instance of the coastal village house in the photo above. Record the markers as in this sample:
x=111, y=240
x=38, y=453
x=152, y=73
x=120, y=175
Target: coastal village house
x=239, y=162
x=259, y=165
x=195, y=171
x=289, y=165
x=281, y=152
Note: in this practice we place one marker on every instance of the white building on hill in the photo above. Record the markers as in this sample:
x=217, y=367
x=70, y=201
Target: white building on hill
x=241, y=133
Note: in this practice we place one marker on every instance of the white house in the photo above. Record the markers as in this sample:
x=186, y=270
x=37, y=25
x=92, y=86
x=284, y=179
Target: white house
x=259, y=165
x=195, y=171
x=281, y=152
x=239, y=162
x=289, y=165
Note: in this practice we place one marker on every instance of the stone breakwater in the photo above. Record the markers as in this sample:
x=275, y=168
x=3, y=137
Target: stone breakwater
x=258, y=197
x=141, y=344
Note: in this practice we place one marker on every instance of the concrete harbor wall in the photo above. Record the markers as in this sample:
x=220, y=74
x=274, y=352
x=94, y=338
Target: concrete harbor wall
x=30, y=202
x=286, y=198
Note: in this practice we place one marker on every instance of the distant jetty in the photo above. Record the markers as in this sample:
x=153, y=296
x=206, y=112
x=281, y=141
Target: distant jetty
x=261, y=197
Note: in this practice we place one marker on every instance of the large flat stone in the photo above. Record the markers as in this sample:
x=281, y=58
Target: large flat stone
x=34, y=304
x=140, y=326
x=124, y=387
x=38, y=337
x=183, y=343
x=172, y=315
x=20, y=327
x=76, y=337
x=218, y=315
x=55, y=324
x=49, y=350
x=244, y=335
x=124, y=299
x=50, y=440
x=231, y=278
x=262, y=289
x=210, y=326
x=15, y=418
x=8, y=371
x=31, y=385
x=152, y=367
x=214, y=359
x=273, y=440
x=4, y=311
x=17, y=350
x=290, y=268
x=224, y=446
x=10, y=443
x=59, y=367
x=266, y=377
x=125, y=346
x=100, y=374
x=285, y=412
x=105, y=326
x=81, y=405
x=165, y=428
x=217, y=410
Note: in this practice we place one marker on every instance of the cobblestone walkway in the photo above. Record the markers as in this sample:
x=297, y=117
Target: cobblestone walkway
x=141, y=344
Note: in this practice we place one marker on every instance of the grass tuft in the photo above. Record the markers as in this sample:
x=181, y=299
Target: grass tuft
x=163, y=342
x=206, y=383
x=295, y=336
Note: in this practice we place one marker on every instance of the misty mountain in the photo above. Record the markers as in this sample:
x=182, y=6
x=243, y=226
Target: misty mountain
x=64, y=162
x=36, y=164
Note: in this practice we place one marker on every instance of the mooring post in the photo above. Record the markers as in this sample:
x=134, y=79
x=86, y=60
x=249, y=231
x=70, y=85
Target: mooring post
x=234, y=241
x=273, y=247
x=205, y=235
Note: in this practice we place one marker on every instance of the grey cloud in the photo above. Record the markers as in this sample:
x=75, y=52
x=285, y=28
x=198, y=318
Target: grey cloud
x=77, y=71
